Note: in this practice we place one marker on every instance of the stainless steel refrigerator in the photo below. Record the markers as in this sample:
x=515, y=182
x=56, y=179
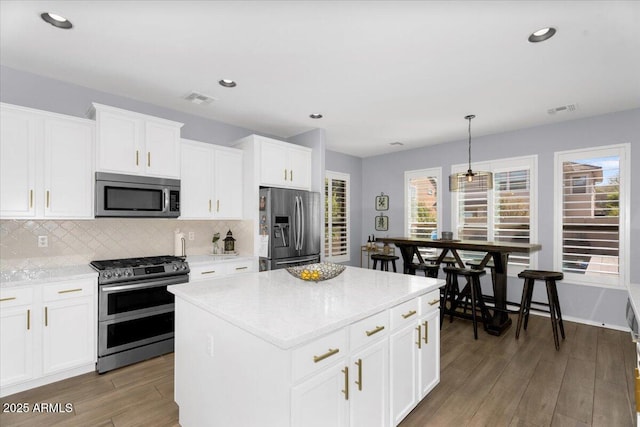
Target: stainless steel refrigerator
x=291, y=219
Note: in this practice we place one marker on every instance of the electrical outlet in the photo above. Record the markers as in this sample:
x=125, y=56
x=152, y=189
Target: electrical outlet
x=43, y=241
x=192, y=235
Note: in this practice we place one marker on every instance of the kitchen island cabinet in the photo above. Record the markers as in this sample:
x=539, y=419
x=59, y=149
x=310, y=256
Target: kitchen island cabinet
x=268, y=349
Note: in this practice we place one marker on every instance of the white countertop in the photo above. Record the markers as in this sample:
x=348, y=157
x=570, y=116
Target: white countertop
x=207, y=259
x=287, y=311
x=44, y=275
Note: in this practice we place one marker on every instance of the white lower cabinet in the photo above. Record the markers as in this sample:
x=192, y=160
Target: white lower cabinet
x=369, y=387
x=48, y=332
x=414, y=348
x=322, y=400
x=200, y=270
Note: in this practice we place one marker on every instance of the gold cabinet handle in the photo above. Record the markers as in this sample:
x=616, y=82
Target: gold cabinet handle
x=345, y=371
x=30, y=198
x=374, y=331
x=434, y=302
x=637, y=383
x=426, y=331
x=46, y=316
x=419, y=342
x=242, y=268
x=359, y=382
x=48, y=199
x=329, y=353
x=7, y=299
x=28, y=319
x=208, y=272
x=149, y=159
x=291, y=175
x=217, y=205
x=285, y=174
x=209, y=205
x=408, y=314
x=66, y=291
x=137, y=158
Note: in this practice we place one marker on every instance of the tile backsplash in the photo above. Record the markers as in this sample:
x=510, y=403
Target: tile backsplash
x=74, y=242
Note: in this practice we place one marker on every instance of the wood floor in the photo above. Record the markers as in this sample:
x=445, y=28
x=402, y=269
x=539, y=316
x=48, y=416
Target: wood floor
x=494, y=381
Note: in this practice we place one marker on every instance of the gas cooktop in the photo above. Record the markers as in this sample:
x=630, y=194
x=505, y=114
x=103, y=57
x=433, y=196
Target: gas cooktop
x=135, y=262
x=134, y=269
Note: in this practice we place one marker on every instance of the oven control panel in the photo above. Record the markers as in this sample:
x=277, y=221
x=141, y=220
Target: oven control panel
x=127, y=274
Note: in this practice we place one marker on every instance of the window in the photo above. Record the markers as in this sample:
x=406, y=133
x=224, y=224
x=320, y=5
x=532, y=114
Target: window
x=422, y=201
x=336, y=217
x=591, y=242
x=505, y=214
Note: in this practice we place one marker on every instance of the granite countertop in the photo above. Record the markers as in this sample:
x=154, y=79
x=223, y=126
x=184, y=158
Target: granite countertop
x=287, y=311
x=44, y=275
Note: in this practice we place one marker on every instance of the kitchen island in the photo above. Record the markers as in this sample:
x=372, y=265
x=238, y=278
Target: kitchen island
x=268, y=349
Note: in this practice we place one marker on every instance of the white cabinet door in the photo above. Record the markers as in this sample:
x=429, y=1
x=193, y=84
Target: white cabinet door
x=429, y=353
x=369, y=387
x=321, y=400
x=17, y=164
x=299, y=168
x=119, y=142
x=68, y=169
x=404, y=369
x=228, y=184
x=16, y=345
x=162, y=150
x=68, y=334
x=274, y=163
x=196, y=182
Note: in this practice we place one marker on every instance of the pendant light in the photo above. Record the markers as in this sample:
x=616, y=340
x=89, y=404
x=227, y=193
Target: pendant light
x=478, y=180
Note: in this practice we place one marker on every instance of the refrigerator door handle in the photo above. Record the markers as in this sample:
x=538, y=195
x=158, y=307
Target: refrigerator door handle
x=299, y=224
x=302, y=225
x=295, y=223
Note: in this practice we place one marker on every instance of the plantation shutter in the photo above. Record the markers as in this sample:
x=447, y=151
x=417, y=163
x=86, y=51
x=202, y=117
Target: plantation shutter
x=336, y=217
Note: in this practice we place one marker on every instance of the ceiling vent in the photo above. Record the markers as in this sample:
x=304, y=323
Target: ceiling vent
x=199, y=99
x=569, y=108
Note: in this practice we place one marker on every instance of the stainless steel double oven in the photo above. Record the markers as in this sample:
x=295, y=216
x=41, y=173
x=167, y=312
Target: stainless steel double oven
x=135, y=310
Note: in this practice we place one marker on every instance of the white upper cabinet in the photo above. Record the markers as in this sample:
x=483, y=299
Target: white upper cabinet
x=47, y=164
x=276, y=163
x=136, y=144
x=211, y=181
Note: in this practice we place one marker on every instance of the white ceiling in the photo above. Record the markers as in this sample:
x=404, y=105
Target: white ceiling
x=379, y=71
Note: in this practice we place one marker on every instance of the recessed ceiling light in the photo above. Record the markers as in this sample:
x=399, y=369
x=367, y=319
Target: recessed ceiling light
x=315, y=115
x=542, y=34
x=56, y=20
x=227, y=83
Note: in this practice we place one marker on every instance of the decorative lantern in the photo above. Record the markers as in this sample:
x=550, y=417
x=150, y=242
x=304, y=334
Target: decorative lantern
x=229, y=242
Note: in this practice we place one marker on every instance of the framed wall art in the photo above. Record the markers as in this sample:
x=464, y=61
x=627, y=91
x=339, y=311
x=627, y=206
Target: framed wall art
x=382, y=202
x=382, y=223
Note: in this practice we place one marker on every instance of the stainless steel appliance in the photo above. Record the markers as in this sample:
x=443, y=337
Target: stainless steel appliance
x=136, y=196
x=292, y=220
x=135, y=310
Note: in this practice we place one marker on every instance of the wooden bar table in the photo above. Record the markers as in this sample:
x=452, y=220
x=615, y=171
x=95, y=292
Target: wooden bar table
x=498, y=251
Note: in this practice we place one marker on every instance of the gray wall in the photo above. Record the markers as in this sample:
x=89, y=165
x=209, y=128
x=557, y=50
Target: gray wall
x=31, y=90
x=592, y=304
x=338, y=162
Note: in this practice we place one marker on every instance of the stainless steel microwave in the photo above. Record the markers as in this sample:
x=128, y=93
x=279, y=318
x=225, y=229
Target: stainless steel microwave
x=133, y=196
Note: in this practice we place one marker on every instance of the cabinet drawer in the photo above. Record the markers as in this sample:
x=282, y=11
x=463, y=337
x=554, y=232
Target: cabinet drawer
x=244, y=266
x=70, y=289
x=430, y=302
x=369, y=329
x=319, y=354
x=207, y=271
x=14, y=297
x=404, y=313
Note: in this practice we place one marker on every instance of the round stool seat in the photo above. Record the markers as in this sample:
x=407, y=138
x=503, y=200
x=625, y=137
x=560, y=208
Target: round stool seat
x=476, y=263
x=384, y=261
x=541, y=275
x=430, y=270
x=449, y=260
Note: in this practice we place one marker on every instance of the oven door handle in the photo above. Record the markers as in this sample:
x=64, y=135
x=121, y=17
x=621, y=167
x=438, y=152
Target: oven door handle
x=156, y=283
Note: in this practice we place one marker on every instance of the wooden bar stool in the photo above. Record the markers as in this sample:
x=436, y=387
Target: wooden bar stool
x=384, y=261
x=550, y=278
x=472, y=292
x=430, y=270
